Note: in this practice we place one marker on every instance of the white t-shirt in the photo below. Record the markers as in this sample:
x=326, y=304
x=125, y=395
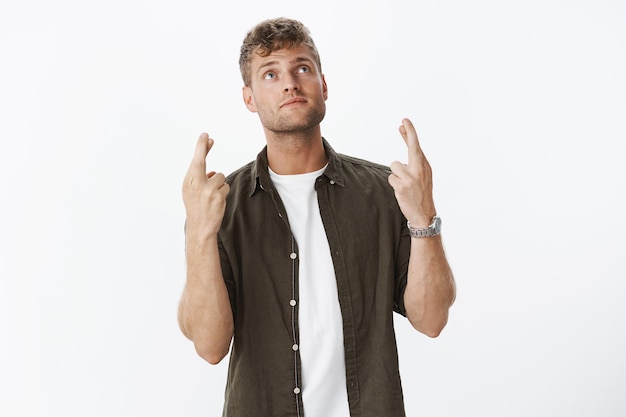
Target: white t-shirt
x=324, y=392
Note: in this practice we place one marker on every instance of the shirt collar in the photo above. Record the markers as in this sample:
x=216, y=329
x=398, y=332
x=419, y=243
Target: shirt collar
x=260, y=177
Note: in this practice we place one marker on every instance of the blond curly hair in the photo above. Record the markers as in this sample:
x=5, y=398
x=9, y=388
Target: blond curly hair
x=271, y=35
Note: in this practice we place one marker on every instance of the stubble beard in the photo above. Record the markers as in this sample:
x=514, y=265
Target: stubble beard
x=293, y=125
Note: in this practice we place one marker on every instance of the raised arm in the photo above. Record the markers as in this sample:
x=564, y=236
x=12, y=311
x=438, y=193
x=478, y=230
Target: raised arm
x=204, y=312
x=430, y=289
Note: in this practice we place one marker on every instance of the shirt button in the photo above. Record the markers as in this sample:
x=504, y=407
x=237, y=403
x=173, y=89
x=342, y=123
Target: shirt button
x=293, y=255
x=295, y=347
x=292, y=303
x=332, y=182
x=296, y=390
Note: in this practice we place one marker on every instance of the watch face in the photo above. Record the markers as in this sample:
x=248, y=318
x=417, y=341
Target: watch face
x=437, y=225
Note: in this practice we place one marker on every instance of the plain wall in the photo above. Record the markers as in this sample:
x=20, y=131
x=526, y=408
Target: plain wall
x=520, y=108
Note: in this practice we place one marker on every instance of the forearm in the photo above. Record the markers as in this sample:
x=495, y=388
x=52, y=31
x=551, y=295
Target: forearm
x=430, y=289
x=205, y=315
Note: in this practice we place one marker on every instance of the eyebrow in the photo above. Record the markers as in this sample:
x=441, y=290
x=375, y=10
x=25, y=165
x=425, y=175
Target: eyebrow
x=296, y=60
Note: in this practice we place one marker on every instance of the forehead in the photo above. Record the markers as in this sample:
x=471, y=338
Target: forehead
x=296, y=54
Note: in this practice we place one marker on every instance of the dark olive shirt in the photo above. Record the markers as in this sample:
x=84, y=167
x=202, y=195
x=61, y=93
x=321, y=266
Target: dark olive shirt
x=369, y=247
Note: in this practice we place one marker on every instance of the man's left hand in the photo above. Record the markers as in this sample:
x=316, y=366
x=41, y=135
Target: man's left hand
x=412, y=182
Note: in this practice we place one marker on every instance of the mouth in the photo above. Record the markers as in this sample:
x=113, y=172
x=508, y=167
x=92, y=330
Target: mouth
x=293, y=100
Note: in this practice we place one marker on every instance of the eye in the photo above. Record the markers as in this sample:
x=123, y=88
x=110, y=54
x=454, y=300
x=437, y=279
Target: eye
x=269, y=75
x=304, y=69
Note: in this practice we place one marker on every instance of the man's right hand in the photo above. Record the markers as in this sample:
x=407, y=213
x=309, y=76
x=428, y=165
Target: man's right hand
x=204, y=194
x=204, y=313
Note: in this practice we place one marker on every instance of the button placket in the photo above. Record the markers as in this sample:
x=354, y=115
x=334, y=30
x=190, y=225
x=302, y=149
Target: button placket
x=295, y=347
x=293, y=255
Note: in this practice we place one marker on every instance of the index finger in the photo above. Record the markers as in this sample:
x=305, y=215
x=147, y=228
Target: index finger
x=408, y=133
x=203, y=146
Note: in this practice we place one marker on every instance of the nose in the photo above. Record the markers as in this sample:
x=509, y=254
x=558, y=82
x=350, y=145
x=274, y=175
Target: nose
x=290, y=83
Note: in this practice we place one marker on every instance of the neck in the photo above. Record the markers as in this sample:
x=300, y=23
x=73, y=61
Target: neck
x=299, y=153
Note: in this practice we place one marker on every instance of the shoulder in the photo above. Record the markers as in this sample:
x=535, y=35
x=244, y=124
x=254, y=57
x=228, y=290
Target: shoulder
x=241, y=174
x=361, y=178
x=363, y=167
x=362, y=162
x=242, y=184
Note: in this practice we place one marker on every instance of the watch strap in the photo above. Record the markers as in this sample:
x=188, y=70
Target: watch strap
x=433, y=230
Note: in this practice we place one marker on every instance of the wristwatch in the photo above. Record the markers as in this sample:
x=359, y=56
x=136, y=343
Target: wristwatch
x=433, y=230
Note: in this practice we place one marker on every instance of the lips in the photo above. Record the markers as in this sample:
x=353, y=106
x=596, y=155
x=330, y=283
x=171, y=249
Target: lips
x=293, y=100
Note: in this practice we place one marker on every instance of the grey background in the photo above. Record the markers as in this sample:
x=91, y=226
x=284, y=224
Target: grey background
x=520, y=109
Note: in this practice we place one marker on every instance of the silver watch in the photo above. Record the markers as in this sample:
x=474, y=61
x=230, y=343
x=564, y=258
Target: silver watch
x=433, y=230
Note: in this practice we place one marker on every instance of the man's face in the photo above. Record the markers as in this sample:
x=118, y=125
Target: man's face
x=287, y=90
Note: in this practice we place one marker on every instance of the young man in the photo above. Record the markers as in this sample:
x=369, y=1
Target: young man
x=302, y=256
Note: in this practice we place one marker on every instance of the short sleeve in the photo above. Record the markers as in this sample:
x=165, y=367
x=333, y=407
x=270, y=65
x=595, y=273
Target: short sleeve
x=227, y=274
x=401, y=270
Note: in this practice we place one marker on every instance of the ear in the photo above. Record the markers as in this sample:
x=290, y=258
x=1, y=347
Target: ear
x=324, y=88
x=248, y=98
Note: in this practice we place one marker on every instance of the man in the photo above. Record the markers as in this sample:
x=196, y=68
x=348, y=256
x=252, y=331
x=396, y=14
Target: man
x=301, y=257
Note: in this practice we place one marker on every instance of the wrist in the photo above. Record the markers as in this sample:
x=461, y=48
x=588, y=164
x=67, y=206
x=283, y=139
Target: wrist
x=198, y=235
x=420, y=221
x=433, y=228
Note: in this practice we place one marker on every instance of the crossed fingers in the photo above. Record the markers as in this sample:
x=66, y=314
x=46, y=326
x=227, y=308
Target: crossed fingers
x=197, y=171
x=408, y=133
x=417, y=161
x=412, y=182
